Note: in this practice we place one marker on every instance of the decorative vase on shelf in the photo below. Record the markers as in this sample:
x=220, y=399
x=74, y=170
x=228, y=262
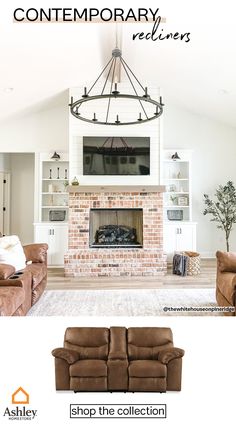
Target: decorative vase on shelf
x=75, y=182
x=174, y=200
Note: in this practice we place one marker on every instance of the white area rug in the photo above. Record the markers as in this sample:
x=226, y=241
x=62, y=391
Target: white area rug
x=124, y=302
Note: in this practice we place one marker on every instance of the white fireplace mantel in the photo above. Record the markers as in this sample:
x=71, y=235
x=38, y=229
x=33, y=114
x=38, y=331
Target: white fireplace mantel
x=116, y=188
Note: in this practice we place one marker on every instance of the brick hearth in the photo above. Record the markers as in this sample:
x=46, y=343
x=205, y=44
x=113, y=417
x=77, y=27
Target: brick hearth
x=82, y=260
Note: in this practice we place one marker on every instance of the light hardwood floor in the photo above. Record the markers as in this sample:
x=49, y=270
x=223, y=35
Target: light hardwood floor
x=206, y=279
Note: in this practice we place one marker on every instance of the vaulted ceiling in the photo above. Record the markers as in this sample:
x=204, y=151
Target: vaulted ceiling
x=40, y=61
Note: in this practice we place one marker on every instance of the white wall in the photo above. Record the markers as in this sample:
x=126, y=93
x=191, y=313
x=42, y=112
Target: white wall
x=41, y=131
x=36, y=131
x=22, y=196
x=213, y=163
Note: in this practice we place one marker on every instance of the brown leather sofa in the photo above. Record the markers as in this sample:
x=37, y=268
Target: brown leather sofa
x=118, y=359
x=226, y=280
x=19, y=291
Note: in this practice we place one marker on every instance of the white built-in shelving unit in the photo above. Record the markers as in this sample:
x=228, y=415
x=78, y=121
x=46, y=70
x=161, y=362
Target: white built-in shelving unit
x=51, y=202
x=176, y=175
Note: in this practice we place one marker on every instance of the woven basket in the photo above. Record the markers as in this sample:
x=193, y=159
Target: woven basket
x=194, y=263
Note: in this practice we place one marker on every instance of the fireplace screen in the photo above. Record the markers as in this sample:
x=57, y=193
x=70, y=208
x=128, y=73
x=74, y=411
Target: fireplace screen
x=116, y=228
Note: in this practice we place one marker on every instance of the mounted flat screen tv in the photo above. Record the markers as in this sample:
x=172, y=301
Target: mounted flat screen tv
x=116, y=155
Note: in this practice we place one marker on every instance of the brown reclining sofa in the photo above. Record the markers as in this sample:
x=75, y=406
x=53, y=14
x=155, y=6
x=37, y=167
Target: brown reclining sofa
x=118, y=359
x=21, y=290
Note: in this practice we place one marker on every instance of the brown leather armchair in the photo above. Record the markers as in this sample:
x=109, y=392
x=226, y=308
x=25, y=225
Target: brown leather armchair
x=226, y=280
x=117, y=359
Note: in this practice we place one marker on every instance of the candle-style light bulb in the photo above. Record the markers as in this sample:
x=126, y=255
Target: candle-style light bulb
x=85, y=92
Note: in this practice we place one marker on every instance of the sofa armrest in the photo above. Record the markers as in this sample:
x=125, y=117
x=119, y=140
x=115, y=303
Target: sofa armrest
x=70, y=356
x=11, y=283
x=6, y=271
x=113, y=356
x=167, y=355
x=37, y=252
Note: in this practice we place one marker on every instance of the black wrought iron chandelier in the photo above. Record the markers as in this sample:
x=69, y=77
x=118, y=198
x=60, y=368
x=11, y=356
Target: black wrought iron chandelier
x=111, y=95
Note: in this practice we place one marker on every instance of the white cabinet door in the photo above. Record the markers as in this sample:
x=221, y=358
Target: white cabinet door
x=56, y=237
x=59, y=244
x=185, y=237
x=42, y=234
x=179, y=237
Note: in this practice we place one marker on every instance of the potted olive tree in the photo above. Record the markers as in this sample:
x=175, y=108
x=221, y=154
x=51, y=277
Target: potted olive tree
x=223, y=208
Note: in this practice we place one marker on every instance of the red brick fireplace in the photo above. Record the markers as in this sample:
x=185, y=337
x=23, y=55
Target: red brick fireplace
x=115, y=231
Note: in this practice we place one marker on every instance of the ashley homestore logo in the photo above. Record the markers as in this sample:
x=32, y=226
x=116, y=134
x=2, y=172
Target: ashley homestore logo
x=20, y=397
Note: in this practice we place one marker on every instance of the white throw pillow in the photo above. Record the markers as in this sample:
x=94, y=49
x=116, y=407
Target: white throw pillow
x=11, y=252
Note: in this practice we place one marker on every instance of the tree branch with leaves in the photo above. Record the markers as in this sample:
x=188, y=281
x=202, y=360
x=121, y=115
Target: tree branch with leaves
x=223, y=208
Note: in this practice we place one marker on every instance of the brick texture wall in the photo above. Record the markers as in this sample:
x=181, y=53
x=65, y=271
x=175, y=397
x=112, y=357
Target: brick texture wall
x=81, y=260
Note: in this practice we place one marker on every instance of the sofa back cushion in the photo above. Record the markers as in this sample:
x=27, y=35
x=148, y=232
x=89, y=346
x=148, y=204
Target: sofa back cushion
x=147, y=342
x=226, y=261
x=90, y=343
x=118, y=343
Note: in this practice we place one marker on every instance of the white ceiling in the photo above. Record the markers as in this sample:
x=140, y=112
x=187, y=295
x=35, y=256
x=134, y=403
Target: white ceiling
x=41, y=61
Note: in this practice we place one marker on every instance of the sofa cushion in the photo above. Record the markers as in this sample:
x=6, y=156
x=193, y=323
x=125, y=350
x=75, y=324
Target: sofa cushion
x=90, y=343
x=89, y=368
x=226, y=261
x=11, y=298
x=147, y=369
x=38, y=272
x=6, y=271
x=146, y=342
x=12, y=253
